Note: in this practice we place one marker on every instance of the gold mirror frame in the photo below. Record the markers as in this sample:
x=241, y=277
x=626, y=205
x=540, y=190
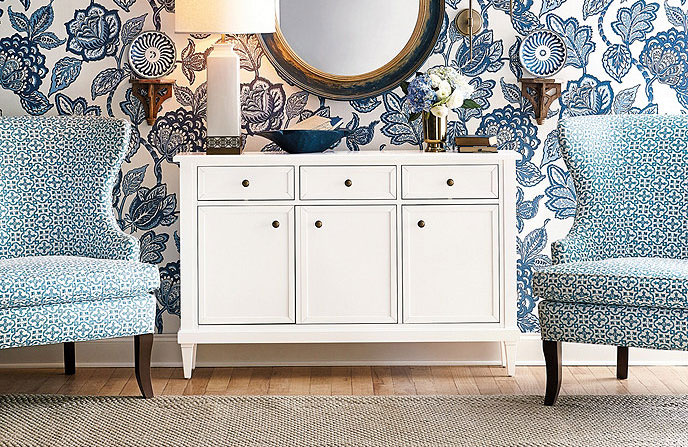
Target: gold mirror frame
x=295, y=70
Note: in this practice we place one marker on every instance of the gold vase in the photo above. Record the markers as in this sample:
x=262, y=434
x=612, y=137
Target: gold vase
x=434, y=132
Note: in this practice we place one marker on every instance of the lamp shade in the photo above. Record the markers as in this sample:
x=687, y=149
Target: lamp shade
x=225, y=16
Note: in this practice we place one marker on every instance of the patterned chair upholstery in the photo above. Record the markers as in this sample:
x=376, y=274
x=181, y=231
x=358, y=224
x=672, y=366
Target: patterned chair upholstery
x=67, y=272
x=620, y=277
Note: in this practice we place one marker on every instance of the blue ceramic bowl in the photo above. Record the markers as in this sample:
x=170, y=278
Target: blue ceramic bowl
x=305, y=141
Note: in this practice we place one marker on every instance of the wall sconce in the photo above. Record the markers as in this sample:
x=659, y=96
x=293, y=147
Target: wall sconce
x=469, y=22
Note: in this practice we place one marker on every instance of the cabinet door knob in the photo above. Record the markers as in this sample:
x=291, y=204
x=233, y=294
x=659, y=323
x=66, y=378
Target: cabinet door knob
x=450, y=182
x=421, y=223
x=245, y=183
x=318, y=224
x=348, y=183
x=275, y=224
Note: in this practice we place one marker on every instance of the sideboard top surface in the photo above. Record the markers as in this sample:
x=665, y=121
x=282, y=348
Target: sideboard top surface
x=344, y=157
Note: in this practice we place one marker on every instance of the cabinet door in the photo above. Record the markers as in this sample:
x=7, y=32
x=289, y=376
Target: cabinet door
x=347, y=263
x=246, y=264
x=451, y=264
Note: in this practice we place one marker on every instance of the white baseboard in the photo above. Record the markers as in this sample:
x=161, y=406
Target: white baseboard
x=119, y=353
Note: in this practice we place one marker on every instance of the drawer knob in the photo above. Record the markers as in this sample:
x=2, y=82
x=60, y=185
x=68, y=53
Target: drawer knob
x=348, y=183
x=245, y=183
x=318, y=224
x=450, y=182
x=275, y=224
x=421, y=224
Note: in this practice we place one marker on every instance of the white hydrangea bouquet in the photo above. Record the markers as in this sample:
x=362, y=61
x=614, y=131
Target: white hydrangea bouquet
x=438, y=91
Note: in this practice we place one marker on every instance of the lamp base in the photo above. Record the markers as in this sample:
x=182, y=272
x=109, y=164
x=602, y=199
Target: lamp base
x=224, y=100
x=224, y=146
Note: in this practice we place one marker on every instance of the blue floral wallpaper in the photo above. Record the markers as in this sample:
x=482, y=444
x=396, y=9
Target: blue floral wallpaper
x=68, y=57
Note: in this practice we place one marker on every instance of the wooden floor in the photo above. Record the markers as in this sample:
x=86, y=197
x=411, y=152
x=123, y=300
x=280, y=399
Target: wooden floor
x=363, y=380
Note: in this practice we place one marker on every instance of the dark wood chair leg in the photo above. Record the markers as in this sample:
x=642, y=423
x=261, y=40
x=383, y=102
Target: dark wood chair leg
x=622, y=362
x=69, y=358
x=143, y=345
x=552, y=351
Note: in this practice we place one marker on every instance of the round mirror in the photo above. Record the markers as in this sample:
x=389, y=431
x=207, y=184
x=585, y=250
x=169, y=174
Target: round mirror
x=351, y=49
x=345, y=37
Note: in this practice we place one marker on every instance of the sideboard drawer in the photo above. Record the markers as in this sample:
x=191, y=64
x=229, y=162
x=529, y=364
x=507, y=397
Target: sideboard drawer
x=348, y=182
x=450, y=182
x=246, y=183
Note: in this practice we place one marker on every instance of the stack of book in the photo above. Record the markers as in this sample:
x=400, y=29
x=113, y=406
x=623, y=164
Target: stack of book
x=476, y=143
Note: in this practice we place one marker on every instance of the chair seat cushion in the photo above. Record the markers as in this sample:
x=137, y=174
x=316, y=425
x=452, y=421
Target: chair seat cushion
x=81, y=321
x=45, y=280
x=601, y=324
x=649, y=282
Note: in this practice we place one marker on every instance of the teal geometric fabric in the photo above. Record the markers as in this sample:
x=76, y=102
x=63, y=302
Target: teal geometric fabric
x=82, y=321
x=620, y=277
x=631, y=178
x=634, y=326
x=655, y=282
x=41, y=280
x=67, y=271
x=56, y=187
x=69, y=57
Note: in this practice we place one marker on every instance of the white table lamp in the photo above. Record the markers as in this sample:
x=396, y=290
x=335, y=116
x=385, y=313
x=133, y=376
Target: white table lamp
x=224, y=99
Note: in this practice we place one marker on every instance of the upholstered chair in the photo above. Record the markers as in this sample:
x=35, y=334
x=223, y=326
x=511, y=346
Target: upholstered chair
x=67, y=272
x=620, y=277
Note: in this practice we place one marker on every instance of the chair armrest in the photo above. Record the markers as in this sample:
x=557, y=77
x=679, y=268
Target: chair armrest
x=572, y=248
x=125, y=247
x=117, y=245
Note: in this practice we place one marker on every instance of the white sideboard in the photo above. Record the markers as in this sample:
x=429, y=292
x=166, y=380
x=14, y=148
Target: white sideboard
x=348, y=247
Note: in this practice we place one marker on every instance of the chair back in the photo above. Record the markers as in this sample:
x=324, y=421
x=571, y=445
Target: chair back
x=631, y=178
x=56, y=181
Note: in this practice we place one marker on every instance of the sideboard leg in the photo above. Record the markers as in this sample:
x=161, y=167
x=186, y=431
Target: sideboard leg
x=510, y=350
x=188, y=358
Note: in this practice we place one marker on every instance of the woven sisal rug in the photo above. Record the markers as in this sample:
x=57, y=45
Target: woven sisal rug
x=29, y=420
